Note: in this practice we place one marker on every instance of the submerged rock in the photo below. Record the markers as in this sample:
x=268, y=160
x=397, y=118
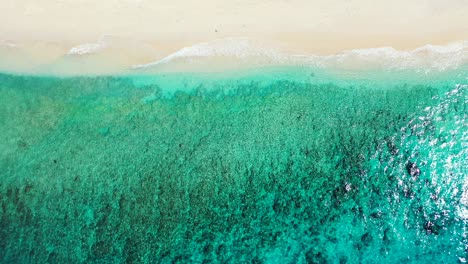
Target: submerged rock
x=413, y=169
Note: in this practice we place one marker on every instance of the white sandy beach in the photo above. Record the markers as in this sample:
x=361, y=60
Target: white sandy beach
x=133, y=32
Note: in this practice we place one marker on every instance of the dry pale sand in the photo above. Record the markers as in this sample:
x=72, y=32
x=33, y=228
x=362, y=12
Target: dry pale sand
x=38, y=32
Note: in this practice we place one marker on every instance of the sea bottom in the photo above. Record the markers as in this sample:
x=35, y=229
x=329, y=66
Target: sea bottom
x=105, y=170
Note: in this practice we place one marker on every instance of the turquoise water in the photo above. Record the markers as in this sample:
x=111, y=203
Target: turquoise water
x=280, y=165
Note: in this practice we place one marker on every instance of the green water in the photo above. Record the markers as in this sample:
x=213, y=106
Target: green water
x=273, y=166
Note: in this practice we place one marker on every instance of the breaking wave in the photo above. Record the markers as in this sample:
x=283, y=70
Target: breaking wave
x=427, y=58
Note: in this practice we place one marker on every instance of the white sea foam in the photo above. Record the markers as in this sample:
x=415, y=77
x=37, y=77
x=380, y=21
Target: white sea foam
x=240, y=52
x=91, y=48
x=8, y=44
x=239, y=48
x=87, y=48
x=427, y=58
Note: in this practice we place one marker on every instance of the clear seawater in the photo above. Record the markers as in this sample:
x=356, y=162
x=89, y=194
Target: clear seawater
x=283, y=165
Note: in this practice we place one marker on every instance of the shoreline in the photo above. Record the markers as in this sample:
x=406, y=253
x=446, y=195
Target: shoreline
x=111, y=55
x=123, y=33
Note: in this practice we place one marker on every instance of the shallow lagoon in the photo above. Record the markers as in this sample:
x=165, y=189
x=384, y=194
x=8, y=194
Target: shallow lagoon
x=284, y=165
